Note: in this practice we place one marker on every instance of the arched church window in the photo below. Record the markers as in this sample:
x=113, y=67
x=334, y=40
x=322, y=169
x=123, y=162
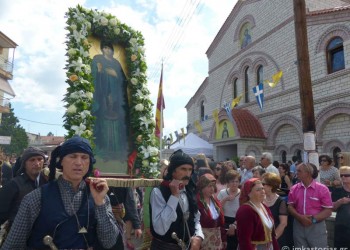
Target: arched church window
x=260, y=75
x=235, y=88
x=284, y=156
x=246, y=85
x=202, y=110
x=335, y=55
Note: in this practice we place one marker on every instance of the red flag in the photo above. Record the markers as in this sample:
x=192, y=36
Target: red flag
x=160, y=107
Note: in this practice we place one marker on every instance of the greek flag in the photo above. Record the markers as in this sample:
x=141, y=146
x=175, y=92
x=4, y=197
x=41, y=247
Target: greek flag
x=259, y=94
x=227, y=107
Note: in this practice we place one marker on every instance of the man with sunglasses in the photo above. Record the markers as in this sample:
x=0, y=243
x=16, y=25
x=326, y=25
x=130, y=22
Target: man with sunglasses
x=174, y=213
x=341, y=196
x=310, y=204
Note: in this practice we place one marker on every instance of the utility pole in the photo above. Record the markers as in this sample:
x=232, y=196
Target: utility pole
x=305, y=84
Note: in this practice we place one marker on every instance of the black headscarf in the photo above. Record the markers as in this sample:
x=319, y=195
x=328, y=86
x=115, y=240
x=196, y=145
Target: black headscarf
x=28, y=153
x=177, y=159
x=76, y=144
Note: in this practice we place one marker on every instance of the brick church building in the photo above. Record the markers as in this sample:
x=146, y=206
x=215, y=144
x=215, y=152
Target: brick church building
x=256, y=41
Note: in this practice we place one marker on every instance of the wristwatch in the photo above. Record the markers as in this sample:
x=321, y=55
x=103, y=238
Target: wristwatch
x=313, y=220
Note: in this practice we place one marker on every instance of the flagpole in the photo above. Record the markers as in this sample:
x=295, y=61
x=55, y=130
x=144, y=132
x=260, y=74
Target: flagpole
x=161, y=118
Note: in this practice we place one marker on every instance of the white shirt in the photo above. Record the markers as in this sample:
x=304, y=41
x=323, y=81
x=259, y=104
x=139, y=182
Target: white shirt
x=230, y=207
x=164, y=213
x=272, y=169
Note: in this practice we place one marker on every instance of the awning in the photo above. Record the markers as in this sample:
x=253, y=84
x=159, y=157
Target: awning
x=6, y=87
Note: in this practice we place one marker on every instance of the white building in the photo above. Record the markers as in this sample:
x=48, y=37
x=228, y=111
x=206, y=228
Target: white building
x=7, y=51
x=256, y=41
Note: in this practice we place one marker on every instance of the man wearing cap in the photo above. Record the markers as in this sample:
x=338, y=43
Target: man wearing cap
x=174, y=212
x=75, y=215
x=29, y=177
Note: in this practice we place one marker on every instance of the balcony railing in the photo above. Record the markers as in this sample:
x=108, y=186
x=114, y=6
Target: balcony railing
x=6, y=65
x=5, y=106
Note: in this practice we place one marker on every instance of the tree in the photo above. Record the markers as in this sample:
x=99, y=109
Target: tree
x=50, y=134
x=10, y=127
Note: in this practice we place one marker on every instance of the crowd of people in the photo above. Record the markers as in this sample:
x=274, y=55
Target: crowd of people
x=256, y=204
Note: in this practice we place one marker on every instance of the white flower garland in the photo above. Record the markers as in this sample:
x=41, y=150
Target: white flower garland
x=82, y=23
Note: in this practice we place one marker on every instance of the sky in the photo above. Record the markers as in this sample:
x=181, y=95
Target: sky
x=38, y=27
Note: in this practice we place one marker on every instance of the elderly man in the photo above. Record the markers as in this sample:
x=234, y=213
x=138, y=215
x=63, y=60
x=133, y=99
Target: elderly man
x=249, y=164
x=28, y=178
x=266, y=162
x=310, y=204
x=75, y=215
x=173, y=209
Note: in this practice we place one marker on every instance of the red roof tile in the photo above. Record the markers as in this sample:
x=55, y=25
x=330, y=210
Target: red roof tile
x=248, y=125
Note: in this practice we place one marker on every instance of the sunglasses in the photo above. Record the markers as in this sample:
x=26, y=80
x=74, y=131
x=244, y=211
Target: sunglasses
x=345, y=175
x=340, y=157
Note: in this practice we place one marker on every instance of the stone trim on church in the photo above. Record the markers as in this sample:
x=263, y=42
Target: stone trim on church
x=260, y=33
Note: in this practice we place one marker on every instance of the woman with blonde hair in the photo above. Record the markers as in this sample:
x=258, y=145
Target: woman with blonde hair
x=255, y=224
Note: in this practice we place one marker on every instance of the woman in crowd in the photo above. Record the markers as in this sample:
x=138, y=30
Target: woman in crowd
x=342, y=207
x=329, y=175
x=255, y=226
x=343, y=159
x=221, y=179
x=258, y=171
x=277, y=205
x=231, y=165
x=286, y=182
x=212, y=217
x=229, y=198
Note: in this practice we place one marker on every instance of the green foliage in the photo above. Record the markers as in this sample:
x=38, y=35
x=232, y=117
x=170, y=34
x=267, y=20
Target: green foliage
x=10, y=127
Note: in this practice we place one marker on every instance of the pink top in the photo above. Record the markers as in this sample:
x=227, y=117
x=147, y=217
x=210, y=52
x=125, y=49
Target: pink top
x=310, y=200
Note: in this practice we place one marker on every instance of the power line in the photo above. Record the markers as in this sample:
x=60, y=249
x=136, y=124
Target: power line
x=51, y=124
x=174, y=39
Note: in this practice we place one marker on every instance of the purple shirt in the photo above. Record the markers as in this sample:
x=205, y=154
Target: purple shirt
x=310, y=200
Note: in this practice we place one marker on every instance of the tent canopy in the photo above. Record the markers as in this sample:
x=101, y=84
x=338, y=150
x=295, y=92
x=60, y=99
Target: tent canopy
x=193, y=145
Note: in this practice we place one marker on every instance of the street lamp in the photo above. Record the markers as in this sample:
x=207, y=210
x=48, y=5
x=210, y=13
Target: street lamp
x=168, y=141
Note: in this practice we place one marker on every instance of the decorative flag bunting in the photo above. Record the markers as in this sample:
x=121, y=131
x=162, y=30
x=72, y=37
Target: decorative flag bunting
x=177, y=135
x=160, y=107
x=183, y=134
x=275, y=79
x=236, y=101
x=259, y=94
x=198, y=126
x=216, y=119
x=227, y=107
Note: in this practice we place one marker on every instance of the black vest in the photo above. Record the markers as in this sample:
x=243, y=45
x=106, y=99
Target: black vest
x=53, y=220
x=25, y=185
x=177, y=226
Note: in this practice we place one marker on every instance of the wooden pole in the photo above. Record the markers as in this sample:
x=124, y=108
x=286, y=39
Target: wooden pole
x=305, y=85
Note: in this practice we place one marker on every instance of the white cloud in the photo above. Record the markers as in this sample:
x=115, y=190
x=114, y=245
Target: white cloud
x=38, y=28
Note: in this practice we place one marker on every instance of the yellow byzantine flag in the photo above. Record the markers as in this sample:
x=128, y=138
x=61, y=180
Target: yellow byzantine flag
x=275, y=79
x=236, y=101
x=198, y=126
x=183, y=134
x=160, y=107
